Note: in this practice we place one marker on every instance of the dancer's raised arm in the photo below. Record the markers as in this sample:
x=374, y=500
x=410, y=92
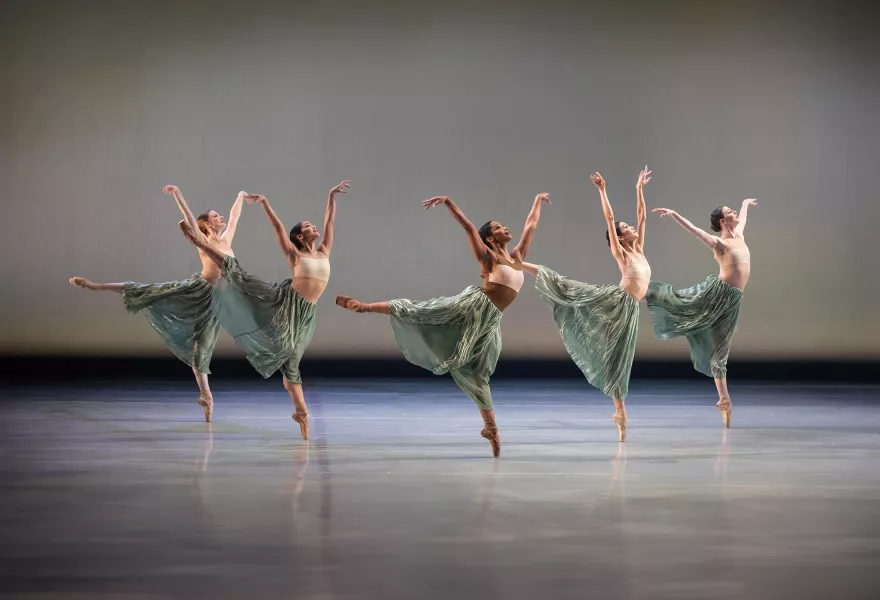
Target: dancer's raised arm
x=613, y=241
x=188, y=217
x=290, y=251
x=522, y=248
x=710, y=240
x=641, y=210
x=481, y=251
x=234, y=215
x=743, y=214
x=330, y=216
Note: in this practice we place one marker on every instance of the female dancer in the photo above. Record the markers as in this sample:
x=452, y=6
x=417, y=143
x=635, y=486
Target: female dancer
x=181, y=310
x=461, y=335
x=707, y=313
x=599, y=324
x=274, y=322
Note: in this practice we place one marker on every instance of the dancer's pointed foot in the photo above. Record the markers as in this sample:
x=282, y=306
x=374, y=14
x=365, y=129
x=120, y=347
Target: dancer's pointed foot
x=490, y=432
x=620, y=420
x=303, y=419
x=351, y=304
x=206, y=401
x=724, y=406
x=82, y=282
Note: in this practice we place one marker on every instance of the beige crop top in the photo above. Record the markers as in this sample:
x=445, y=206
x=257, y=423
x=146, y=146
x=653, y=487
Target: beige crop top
x=506, y=276
x=636, y=276
x=737, y=254
x=317, y=267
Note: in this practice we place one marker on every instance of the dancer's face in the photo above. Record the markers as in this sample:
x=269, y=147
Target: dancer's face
x=216, y=221
x=730, y=217
x=628, y=233
x=500, y=233
x=309, y=232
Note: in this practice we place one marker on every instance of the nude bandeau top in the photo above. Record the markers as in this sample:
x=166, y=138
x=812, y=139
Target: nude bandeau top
x=507, y=276
x=737, y=254
x=317, y=267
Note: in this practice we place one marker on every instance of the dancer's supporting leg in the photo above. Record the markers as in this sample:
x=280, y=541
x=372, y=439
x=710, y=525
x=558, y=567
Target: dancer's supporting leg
x=293, y=385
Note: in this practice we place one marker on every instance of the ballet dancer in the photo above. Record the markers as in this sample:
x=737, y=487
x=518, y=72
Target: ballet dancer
x=599, y=324
x=707, y=313
x=461, y=335
x=274, y=322
x=180, y=311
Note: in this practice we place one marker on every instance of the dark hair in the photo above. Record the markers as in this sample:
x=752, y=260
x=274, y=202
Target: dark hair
x=295, y=231
x=616, y=230
x=486, y=231
x=715, y=218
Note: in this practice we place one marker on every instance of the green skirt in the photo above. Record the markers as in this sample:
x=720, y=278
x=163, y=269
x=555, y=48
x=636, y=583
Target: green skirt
x=269, y=321
x=180, y=311
x=599, y=325
x=706, y=314
x=459, y=335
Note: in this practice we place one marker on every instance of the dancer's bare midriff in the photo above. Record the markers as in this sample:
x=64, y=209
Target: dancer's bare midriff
x=737, y=277
x=309, y=288
x=499, y=294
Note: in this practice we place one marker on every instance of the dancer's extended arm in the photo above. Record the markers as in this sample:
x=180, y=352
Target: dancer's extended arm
x=704, y=236
x=641, y=211
x=743, y=214
x=613, y=242
x=330, y=216
x=522, y=248
x=284, y=242
x=188, y=217
x=234, y=215
x=481, y=251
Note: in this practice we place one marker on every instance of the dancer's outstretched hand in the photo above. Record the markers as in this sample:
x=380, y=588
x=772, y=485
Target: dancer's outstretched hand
x=644, y=177
x=171, y=190
x=751, y=202
x=664, y=212
x=435, y=201
x=543, y=197
x=251, y=198
x=598, y=181
x=342, y=188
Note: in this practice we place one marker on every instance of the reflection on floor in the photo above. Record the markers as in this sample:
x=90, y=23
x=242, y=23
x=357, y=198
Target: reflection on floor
x=123, y=492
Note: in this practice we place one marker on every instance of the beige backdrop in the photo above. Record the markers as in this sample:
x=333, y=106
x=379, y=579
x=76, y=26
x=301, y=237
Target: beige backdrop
x=105, y=102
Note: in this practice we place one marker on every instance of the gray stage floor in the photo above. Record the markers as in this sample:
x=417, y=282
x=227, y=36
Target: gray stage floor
x=123, y=492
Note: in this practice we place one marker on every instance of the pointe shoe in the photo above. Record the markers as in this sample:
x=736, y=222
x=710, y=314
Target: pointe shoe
x=82, y=282
x=206, y=401
x=620, y=420
x=303, y=420
x=724, y=406
x=351, y=304
x=490, y=432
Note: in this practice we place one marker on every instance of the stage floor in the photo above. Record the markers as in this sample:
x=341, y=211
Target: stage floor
x=123, y=492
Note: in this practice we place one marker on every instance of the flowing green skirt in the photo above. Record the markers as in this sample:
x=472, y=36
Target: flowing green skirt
x=269, y=321
x=706, y=314
x=180, y=311
x=459, y=335
x=599, y=325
